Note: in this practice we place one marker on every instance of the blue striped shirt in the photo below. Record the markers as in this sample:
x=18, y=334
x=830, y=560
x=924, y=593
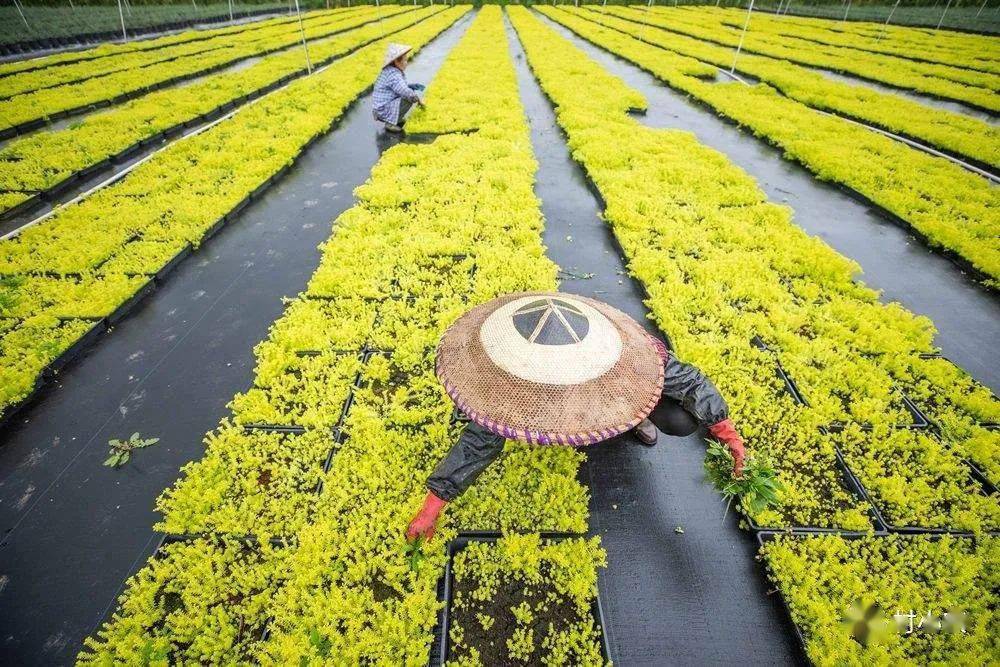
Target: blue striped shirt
x=390, y=88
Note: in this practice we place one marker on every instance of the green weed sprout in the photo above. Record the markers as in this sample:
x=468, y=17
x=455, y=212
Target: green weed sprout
x=121, y=450
x=758, y=487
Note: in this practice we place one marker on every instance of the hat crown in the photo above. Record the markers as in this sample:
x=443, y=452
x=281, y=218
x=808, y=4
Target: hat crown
x=554, y=340
x=551, y=322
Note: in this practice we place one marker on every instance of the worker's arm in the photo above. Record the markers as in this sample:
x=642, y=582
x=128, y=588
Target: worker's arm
x=399, y=86
x=696, y=394
x=475, y=450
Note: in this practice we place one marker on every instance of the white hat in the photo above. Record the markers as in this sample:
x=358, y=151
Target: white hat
x=394, y=51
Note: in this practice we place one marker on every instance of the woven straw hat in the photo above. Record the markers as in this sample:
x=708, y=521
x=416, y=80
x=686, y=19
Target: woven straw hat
x=550, y=368
x=394, y=51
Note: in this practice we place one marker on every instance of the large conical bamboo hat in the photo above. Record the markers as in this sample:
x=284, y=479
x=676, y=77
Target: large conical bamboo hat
x=550, y=368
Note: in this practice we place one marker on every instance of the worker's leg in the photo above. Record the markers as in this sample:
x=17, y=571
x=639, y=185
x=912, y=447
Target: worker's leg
x=406, y=106
x=671, y=418
x=468, y=458
x=668, y=416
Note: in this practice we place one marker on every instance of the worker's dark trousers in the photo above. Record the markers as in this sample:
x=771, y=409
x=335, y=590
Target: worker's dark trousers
x=477, y=448
x=406, y=105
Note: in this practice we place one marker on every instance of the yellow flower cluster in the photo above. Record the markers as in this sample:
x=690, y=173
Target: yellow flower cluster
x=438, y=227
x=822, y=577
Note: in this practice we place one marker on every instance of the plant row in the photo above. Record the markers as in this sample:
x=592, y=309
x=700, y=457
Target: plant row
x=57, y=75
x=88, y=259
x=949, y=206
x=31, y=109
x=438, y=227
x=43, y=161
x=947, y=72
x=113, y=49
x=51, y=27
x=890, y=600
x=957, y=50
x=952, y=132
x=723, y=267
x=975, y=89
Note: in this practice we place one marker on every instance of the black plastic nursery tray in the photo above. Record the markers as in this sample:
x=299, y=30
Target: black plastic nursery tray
x=766, y=536
x=440, y=646
x=853, y=485
x=981, y=480
x=780, y=371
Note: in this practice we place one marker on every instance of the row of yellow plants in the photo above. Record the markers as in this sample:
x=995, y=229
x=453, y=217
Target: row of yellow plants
x=975, y=89
x=943, y=47
x=947, y=130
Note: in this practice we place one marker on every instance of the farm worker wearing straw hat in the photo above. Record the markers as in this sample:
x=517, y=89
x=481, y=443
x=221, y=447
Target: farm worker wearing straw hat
x=392, y=96
x=558, y=369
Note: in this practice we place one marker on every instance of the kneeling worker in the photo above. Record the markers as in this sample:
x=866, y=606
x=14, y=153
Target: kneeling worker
x=558, y=369
x=393, y=97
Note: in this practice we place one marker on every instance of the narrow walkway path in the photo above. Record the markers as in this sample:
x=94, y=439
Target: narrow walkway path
x=696, y=598
x=74, y=530
x=904, y=268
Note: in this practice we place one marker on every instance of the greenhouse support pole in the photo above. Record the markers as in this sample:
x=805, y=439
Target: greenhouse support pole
x=886, y=25
x=121, y=15
x=302, y=32
x=230, y=10
x=846, y=11
x=981, y=8
x=739, y=47
x=941, y=20
x=378, y=8
x=21, y=12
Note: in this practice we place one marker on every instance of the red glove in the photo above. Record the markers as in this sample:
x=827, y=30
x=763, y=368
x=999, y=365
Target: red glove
x=726, y=433
x=425, y=522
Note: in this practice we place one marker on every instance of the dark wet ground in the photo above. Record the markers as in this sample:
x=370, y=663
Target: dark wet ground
x=697, y=598
x=74, y=530
x=905, y=269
